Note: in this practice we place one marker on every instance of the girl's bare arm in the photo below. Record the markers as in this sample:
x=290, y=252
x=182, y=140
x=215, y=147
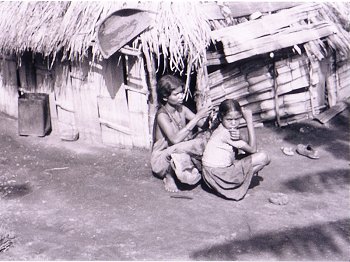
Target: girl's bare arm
x=250, y=146
x=247, y=115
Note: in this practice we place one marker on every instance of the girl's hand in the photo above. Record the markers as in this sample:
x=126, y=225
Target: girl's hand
x=247, y=115
x=234, y=134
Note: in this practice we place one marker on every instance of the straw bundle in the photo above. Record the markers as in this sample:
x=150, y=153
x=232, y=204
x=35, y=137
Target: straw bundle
x=180, y=33
x=49, y=27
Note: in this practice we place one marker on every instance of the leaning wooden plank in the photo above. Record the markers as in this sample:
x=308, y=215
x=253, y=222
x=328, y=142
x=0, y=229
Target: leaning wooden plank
x=272, y=22
x=288, y=37
x=271, y=43
x=263, y=28
x=242, y=37
x=115, y=126
x=239, y=9
x=331, y=112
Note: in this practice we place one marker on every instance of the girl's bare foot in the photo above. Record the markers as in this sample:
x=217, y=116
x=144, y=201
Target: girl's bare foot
x=169, y=183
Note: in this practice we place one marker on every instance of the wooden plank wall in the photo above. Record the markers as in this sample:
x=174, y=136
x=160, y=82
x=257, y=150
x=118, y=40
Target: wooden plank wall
x=90, y=100
x=8, y=86
x=85, y=102
x=343, y=80
x=297, y=87
x=64, y=102
x=112, y=103
x=137, y=96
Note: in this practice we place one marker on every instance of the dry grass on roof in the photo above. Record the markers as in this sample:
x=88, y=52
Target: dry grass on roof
x=48, y=26
x=181, y=32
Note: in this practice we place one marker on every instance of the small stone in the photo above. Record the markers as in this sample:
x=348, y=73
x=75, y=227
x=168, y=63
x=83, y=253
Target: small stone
x=279, y=199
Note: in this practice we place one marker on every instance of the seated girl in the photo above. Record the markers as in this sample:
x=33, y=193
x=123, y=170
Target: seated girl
x=175, y=152
x=222, y=171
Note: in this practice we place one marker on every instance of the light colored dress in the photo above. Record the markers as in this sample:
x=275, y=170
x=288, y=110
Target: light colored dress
x=222, y=171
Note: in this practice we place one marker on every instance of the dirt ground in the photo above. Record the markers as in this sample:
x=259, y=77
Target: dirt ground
x=76, y=201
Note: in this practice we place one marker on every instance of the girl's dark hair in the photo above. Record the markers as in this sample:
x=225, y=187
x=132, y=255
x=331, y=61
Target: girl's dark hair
x=227, y=106
x=166, y=85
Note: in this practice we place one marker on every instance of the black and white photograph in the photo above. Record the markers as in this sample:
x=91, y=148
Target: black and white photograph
x=167, y=130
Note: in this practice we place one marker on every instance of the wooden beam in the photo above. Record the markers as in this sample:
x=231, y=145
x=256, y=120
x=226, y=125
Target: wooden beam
x=239, y=9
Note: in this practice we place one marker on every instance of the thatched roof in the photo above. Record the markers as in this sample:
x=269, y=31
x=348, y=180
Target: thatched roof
x=48, y=27
x=181, y=30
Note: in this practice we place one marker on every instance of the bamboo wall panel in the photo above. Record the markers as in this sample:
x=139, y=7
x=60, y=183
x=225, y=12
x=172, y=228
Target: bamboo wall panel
x=137, y=97
x=8, y=87
x=64, y=100
x=343, y=76
x=114, y=120
x=113, y=113
x=44, y=79
x=297, y=86
x=85, y=103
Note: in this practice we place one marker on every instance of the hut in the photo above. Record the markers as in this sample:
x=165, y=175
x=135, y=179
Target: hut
x=285, y=61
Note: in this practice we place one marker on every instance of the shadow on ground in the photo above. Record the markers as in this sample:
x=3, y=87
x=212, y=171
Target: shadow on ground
x=320, y=136
x=311, y=242
x=14, y=191
x=330, y=181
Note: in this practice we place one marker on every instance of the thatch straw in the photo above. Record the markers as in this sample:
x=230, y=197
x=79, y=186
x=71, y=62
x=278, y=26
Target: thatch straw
x=48, y=27
x=180, y=33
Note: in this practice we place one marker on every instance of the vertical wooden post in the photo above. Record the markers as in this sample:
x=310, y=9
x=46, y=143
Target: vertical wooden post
x=202, y=87
x=275, y=86
x=152, y=83
x=332, y=83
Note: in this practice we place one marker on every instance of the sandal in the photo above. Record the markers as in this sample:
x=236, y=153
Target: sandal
x=287, y=151
x=308, y=151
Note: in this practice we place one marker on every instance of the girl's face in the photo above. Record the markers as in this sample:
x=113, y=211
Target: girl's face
x=231, y=120
x=176, y=97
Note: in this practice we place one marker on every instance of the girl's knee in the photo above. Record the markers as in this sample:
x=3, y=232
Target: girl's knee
x=261, y=158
